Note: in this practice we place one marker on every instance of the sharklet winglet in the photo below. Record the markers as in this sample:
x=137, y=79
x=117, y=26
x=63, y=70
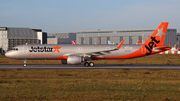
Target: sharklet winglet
x=119, y=46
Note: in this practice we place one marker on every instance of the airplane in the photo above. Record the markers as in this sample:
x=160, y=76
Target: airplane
x=77, y=54
x=73, y=42
x=139, y=42
x=173, y=50
x=109, y=42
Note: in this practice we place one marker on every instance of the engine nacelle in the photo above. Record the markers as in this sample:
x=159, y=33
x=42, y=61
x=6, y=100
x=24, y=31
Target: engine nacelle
x=63, y=61
x=74, y=60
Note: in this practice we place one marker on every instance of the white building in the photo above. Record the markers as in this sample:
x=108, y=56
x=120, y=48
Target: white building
x=116, y=36
x=10, y=37
x=61, y=38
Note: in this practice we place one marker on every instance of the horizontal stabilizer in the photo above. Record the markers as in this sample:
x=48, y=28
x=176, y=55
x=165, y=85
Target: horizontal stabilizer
x=161, y=48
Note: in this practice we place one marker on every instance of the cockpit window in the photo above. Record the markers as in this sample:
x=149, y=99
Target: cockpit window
x=15, y=49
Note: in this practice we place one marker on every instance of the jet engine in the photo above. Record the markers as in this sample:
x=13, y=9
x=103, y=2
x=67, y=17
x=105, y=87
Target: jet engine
x=74, y=60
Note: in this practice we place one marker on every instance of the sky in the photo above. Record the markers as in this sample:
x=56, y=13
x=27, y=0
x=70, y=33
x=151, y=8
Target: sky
x=64, y=16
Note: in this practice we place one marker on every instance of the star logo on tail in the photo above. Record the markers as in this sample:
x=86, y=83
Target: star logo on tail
x=160, y=33
x=56, y=49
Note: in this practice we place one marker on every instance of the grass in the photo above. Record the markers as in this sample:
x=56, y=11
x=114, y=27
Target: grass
x=90, y=85
x=157, y=59
x=93, y=84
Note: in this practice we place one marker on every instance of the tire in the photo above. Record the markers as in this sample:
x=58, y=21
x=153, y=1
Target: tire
x=91, y=64
x=86, y=64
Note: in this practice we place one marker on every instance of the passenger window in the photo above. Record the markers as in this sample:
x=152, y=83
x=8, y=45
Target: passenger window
x=16, y=49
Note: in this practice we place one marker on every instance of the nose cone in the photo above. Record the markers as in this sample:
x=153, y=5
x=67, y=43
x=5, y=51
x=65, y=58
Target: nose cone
x=7, y=54
x=10, y=54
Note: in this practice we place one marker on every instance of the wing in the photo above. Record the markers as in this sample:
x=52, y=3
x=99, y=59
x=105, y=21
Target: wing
x=93, y=54
x=105, y=51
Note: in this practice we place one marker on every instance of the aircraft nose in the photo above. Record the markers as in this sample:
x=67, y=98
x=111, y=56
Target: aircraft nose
x=9, y=54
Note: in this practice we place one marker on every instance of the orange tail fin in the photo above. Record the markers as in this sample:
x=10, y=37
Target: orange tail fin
x=157, y=38
x=73, y=42
x=158, y=35
x=139, y=42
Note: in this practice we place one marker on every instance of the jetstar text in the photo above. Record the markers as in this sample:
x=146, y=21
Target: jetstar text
x=151, y=44
x=40, y=49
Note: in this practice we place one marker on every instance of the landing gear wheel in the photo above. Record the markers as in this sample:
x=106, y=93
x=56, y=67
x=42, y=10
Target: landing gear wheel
x=91, y=64
x=86, y=64
x=25, y=63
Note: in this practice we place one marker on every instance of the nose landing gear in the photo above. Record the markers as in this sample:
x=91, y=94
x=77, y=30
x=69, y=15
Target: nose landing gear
x=24, y=63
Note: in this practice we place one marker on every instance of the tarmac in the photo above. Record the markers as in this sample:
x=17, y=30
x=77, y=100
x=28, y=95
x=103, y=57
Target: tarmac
x=44, y=66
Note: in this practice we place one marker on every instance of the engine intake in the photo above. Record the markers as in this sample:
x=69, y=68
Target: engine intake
x=74, y=60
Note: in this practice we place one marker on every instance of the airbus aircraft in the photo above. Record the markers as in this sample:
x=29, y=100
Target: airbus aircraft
x=173, y=50
x=76, y=54
x=139, y=42
x=73, y=42
x=109, y=42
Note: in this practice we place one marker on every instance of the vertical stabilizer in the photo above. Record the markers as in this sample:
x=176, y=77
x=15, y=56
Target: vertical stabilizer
x=157, y=38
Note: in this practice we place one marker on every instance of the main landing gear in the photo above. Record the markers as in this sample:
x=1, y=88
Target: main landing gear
x=91, y=64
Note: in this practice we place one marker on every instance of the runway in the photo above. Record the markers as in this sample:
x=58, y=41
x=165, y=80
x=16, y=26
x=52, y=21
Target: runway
x=169, y=67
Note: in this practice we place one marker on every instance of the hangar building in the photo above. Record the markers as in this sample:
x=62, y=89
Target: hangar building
x=116, y=36
x=61, y=38
x=10, y=37
x=178, y=39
